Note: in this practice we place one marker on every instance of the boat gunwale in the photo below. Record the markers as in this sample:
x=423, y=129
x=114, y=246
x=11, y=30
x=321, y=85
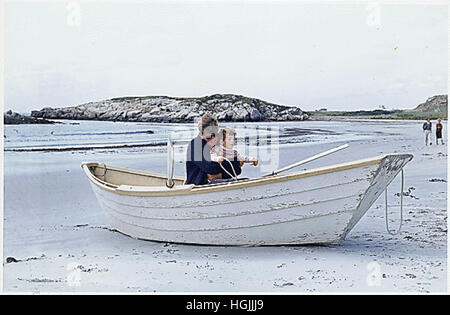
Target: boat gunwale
x=196, y=189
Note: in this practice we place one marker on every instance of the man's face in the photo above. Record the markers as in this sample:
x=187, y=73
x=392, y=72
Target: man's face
x=211, y=139
x=210, y=135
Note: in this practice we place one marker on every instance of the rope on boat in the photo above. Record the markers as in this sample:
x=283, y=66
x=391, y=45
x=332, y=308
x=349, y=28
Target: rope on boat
x=401, y=209
x=234, y=171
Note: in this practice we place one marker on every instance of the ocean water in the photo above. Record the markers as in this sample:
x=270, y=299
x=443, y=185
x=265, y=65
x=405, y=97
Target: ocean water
x=86, y=135
x=31, y=148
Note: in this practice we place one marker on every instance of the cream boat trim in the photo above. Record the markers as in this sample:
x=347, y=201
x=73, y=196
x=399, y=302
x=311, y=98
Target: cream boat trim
x=199, y=189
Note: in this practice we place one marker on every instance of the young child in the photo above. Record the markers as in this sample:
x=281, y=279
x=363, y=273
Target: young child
x=227, y=139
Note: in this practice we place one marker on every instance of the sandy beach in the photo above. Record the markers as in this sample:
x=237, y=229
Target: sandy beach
x=57, y=238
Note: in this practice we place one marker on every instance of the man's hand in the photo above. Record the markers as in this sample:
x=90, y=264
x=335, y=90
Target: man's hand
x=213, y=177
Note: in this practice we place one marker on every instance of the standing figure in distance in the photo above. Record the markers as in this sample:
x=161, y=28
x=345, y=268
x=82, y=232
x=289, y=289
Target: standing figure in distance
x=439, y=132
x=427, y=130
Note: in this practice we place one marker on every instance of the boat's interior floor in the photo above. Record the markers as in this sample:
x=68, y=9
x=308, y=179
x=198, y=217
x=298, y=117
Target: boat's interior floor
x=116, y=177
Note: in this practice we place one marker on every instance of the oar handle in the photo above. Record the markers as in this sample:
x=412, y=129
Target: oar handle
x=312, y=158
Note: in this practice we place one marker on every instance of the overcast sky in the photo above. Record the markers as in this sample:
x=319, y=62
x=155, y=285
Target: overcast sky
x=337, y=56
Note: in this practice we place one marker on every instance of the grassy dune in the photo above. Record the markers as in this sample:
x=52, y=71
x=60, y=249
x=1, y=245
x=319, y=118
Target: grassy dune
x=435, y=107
x=380, y=114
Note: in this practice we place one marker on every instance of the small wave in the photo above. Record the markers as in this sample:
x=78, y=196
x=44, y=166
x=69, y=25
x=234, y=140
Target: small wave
x=86, y=147
x=103, y=133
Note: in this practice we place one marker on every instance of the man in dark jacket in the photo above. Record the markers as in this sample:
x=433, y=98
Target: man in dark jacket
x=199, y=167
x=427, y=130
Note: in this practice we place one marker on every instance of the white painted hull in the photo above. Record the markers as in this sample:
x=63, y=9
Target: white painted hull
x=310, y=207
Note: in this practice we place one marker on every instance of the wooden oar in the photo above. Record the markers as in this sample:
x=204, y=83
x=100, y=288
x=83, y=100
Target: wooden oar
x=308, y=160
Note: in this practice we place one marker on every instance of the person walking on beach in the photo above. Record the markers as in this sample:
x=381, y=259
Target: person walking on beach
x=439, y=132
x=427, y=130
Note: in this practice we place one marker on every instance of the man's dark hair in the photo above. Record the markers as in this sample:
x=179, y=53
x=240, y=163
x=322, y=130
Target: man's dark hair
x=208, y=124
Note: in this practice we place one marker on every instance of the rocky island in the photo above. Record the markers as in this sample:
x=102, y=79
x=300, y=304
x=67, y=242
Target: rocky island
x=226, y=107
x=13, y=118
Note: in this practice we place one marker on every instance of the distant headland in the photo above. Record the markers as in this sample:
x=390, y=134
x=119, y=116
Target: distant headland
x=435, y=107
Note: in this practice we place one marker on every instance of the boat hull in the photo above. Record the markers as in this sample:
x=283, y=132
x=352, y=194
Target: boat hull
x=310, y=207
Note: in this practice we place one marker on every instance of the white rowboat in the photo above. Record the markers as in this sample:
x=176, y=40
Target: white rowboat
x=320, y=205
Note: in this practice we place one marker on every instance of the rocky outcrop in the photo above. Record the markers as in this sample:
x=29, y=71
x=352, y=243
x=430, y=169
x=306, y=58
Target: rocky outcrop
x=226, y=107
x=436, y=104
x=12, y=118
